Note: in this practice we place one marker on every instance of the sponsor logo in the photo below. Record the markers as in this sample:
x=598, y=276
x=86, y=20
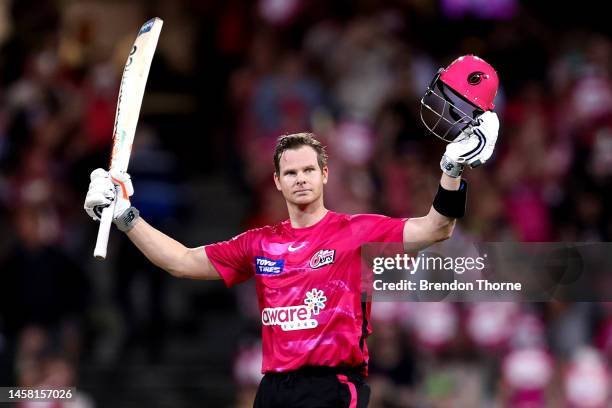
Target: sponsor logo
x=131, y=57
x=298, y=317
x=130, y=217
x=476, y=77
x=293, y=249
x=146, y=27
x=266, y=266
x=322, y=258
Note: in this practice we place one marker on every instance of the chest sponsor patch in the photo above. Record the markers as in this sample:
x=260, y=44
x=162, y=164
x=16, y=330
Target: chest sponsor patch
x=267, y=266
x=298, y=317
x=322, y=258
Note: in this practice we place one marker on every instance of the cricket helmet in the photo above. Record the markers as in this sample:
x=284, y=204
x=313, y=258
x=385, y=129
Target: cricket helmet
x=457, y=95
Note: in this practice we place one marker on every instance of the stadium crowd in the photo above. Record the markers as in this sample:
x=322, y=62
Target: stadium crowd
x=353, y=73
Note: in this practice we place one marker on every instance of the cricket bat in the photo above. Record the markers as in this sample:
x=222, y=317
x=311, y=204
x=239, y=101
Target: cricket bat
x=131, y=91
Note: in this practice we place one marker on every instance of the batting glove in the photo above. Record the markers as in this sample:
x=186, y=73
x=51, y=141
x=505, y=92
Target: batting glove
x=473, y=147
x=105, y=188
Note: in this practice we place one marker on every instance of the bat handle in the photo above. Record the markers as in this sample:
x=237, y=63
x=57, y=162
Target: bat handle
x=105, y=223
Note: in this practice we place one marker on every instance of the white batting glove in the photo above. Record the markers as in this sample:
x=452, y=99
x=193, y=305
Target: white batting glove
x=104, y=188
x=473, y=147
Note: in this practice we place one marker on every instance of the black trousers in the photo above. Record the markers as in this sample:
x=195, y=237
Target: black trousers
x=313, y=387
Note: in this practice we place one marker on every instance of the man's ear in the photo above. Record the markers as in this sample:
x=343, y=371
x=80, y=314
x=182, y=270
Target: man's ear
x=277, y=181
x=325, y=172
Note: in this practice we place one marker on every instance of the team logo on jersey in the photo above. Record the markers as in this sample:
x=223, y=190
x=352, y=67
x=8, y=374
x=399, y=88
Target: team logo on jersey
x=299, y=317
x=322, y=258
x=267, y=266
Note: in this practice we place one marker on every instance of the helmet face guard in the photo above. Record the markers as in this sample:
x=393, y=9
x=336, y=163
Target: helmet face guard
x=444, y=112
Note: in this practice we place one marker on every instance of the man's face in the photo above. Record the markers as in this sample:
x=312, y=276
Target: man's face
x=300, y=179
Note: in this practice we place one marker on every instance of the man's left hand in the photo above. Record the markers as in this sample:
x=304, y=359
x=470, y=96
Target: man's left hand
x=473, y=147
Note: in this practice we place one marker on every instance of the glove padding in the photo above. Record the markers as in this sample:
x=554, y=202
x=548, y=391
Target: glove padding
x=473, y=147
x=104, y=188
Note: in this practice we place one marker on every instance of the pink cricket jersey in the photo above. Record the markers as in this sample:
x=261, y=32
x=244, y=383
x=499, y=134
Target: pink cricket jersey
x=308, y=286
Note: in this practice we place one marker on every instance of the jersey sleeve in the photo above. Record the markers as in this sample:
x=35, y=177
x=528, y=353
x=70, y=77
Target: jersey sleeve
x=377, y=228
x=232, y=258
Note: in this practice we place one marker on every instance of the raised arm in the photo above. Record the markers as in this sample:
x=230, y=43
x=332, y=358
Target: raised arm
x=472, y=148
x=171, y=255
x=424, y=231
x=160, y=249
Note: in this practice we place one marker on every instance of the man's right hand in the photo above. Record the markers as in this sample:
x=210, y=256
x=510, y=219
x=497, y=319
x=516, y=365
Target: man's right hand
x=104, y=188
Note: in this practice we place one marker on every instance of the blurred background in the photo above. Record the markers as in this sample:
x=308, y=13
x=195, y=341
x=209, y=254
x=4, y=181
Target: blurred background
x=227, y=79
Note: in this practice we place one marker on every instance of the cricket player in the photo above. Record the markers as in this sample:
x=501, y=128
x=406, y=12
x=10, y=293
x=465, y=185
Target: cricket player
x=307, y=269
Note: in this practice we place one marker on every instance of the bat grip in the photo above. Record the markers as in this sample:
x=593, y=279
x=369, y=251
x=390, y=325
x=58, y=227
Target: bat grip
x=105, y=223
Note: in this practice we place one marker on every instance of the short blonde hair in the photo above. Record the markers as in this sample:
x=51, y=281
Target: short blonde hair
x=295, y=141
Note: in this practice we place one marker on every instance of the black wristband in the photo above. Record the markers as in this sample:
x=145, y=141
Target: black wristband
x=451, y=203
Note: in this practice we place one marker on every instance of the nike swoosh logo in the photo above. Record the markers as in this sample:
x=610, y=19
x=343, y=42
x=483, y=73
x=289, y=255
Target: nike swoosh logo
x=291, y=248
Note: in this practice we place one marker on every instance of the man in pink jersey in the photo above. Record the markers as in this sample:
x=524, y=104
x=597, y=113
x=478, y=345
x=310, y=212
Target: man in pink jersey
x=307, y=269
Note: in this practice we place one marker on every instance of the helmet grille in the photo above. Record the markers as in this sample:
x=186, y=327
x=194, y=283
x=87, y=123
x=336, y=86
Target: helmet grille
x=445, y=113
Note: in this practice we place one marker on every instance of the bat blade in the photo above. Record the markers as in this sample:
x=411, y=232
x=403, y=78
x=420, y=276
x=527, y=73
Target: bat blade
x=129, y=101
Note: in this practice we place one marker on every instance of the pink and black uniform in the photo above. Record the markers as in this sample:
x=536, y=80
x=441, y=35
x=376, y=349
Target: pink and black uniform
x=308, y=284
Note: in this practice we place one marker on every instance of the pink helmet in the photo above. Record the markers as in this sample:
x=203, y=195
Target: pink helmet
x=474, y=79
x=457, y=95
